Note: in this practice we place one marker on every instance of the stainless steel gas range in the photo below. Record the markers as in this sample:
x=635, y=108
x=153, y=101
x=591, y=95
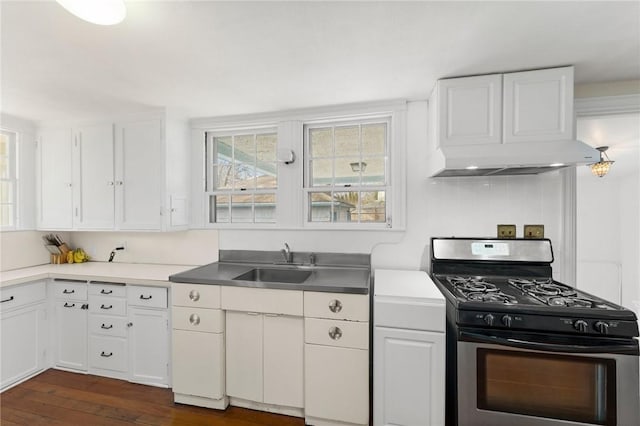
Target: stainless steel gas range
x=526, y=350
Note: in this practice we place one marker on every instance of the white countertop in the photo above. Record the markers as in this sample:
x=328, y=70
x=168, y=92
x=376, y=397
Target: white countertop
x=130, y=273
x=406, y=284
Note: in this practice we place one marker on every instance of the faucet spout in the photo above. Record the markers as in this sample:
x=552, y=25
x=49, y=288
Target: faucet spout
x=286, y=252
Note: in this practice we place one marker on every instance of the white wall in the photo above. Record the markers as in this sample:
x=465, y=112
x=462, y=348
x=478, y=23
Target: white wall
x=21, y=249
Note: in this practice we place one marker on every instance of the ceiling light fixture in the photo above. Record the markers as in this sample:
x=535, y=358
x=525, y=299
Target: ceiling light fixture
x=601, y=168
x=101, y=12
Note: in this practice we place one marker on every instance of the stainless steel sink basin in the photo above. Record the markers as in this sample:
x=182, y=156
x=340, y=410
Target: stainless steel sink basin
x=274, y=275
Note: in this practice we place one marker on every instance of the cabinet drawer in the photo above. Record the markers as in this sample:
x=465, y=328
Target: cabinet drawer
x=345, y=334
x=199, y=296
x=107, y=305
x=108, y=353
x=70, y=290
x=107, y=325
x=354, y=307
x=264, y=300
x=149, y=297
x=197, y=319
x=22, y=295
x=103, y=289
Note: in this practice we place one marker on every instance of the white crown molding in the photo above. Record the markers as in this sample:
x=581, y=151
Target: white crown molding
x=607, y=105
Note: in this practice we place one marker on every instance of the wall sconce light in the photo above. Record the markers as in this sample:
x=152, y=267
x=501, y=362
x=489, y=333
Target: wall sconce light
x=100, y=12
x=358, y=166
x=601, y=168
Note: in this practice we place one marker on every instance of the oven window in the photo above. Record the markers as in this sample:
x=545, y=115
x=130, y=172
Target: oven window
x=563, y=387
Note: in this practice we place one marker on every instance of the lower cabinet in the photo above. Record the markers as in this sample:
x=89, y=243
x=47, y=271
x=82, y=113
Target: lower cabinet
x=71, y=319
x=23, y=336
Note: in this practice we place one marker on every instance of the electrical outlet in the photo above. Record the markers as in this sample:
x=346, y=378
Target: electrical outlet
x=506, y=231
x=534, y=231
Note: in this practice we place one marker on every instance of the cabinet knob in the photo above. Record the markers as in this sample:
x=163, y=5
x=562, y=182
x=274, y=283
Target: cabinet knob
x=194, y=295
x=335, y=333
x=118, y=182
x=110, y=183
x=194, y=319
x=335, y=306
x=129, y=324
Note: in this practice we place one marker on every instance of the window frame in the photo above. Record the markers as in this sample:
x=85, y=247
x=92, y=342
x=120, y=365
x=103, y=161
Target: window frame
x=12, y=179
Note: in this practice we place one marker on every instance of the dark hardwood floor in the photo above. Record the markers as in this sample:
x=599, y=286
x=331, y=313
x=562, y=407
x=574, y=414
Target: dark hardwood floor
x=61, y=398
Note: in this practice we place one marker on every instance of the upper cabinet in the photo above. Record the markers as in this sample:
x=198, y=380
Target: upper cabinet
x=126, y=175
x=529, y=106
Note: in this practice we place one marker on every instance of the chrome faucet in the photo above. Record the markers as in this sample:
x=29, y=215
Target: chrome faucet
x=286, y=252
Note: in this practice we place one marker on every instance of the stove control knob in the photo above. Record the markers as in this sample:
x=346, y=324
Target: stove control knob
x=506, y=320
x=581, y=326
x=602, y=327
x=488, y=319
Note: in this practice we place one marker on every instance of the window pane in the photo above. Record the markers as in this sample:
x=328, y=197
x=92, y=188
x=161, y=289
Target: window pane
x=242, y=208
x=266, y=147
x=6, y=215
x=372, y=207
x=321, y=142
x=321, y=172
x=4, y=167
x=219, y=209
x=320, y=206
x=373, y=173
x=348, y=171
x=6, y=195
x=223, y=166
x=345, y=204
x=347, y=140
x=267, y=176
x=265, y=208
x=373, y=139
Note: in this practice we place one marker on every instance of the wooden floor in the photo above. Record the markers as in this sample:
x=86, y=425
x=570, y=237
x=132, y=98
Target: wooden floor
x=61, y=398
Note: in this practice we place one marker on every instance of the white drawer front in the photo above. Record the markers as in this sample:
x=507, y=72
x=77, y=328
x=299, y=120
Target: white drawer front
x=149, y=297
x=197, y=319
x=100, y=289
x=69, y=290
x=107, y=325
x=22, y=295
x=104, y=305
x=265, y=300
x=196, y=295
x=354, y=307
x=109, y=353
x=345, y=334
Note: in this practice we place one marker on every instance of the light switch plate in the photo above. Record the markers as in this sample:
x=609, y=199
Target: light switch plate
x=534, y=232
x=506, y=231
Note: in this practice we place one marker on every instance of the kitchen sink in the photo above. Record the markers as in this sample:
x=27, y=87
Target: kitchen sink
x=274, y=275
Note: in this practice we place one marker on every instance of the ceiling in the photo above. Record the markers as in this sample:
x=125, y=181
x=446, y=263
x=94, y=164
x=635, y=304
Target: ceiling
x=209, y=58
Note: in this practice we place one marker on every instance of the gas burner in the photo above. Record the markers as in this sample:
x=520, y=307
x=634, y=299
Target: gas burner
x=542, y=287
x=496, y=297
x=574, y=302
x=466, y=284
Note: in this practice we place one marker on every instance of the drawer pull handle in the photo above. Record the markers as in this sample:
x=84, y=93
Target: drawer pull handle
x=335, y=306
x=335, y=333
x=194, y=319
x=106, y=355
x=145, y=298
x=103, y=291
x=65, y=291
x=194, y=295
x=7, y=300
x=66, y=305
x=106, y=327
x=106, y=307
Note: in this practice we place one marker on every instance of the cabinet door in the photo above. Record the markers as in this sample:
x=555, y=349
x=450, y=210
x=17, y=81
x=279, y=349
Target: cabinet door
x=94, y=189
x=198, y=364
x=408, y=378
x=538, y=105
x=244, y=355
x=470, y=110
x=283, y=360
x=149, y=346
x=139, y=177
x=55, y=202
x=22, y=343
x=71, y=329
x=336, y=384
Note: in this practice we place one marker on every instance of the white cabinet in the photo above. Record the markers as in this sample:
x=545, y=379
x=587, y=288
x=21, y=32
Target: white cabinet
x=54, y=179
x=198, y=361
x=148, y=324
x=264, y=346
x=409, y=350
x=23, y=316
x=530, y=106
x=70, y=310
x=336, y=367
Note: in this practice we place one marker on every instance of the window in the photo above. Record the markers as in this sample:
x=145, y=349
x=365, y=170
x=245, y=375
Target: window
x=346, y=171
x=242, y=176
x=8, y=178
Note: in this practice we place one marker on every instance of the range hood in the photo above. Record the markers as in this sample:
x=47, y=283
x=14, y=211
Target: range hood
x=509, y=159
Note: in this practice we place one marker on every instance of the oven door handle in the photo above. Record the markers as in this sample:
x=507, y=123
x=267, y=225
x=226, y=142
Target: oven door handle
x=622, y=348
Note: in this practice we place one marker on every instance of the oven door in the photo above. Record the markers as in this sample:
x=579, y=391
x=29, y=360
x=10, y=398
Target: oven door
x=535, y=380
